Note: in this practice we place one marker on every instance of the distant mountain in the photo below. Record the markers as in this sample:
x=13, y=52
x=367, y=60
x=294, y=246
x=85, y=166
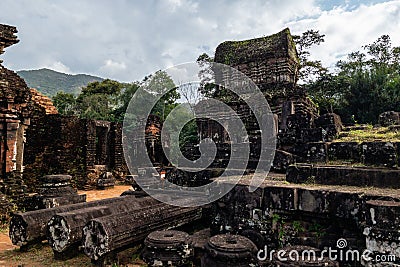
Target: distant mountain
x=49, y=82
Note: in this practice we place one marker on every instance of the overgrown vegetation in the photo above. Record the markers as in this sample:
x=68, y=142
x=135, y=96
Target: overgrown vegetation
x=108, y=99
x=358, y=89
x=370, y=134
x=361, y=87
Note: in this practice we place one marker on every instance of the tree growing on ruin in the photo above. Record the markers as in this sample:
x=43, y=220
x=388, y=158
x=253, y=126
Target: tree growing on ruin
x=309, y=70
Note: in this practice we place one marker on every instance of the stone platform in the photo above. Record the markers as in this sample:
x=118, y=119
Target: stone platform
x=280, y=213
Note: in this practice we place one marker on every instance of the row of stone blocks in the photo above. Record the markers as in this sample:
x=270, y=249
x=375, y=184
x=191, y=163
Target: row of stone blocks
x=97, y=227
x=343, y=175
x=386, y=154
x=302, y=127
x=272, y=216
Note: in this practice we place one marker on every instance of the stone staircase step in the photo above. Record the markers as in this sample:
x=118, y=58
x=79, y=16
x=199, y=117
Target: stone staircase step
x=343, y=175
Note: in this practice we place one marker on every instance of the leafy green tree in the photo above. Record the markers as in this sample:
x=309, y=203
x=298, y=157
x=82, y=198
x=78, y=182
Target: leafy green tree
x=179, y=138
x=96, y=107
x=365, y=85
x=373, y=81
x=159, y=84
x=327, y=92
x=189, y=134
x=65, y=103
x=108, y=87
x=206, y=75
x=108, y=99
x=98, y=100
x=310, y=70
x=123, y=99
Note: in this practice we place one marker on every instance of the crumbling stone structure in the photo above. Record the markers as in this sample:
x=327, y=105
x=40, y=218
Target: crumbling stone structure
x=272, y=63
x=36, y=141
x=389, y=118
x=14, y=98
x=313, y=204
x=280, y=214
x=152, y=136
x=168, y=248
x=55, y=190
x=229, y=250
x=14, y=119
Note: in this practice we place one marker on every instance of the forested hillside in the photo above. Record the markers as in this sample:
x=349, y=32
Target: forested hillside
x=49, y=82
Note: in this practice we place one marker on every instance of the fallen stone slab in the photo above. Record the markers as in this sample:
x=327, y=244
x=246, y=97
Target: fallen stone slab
x=64, y=230
x=30, y=227
x=107, y=234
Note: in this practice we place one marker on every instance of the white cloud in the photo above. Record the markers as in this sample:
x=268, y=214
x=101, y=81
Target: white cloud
x=126, y=40
x=180, y=5
x=112, y=67
x=347, y=31
x=58, y=66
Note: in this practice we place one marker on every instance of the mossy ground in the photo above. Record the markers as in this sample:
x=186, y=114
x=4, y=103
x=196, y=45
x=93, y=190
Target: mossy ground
x=370, y=134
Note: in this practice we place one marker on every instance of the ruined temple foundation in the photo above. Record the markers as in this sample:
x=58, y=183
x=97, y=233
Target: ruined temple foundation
x=55, y=190
x=167, y=248
x=229, y=250
x=309, y=214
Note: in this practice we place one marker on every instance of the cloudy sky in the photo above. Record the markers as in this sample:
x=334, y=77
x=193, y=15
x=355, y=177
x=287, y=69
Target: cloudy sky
x=126, y=40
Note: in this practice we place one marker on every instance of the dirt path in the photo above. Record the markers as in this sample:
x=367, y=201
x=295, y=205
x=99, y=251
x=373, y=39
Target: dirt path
x=5, y=242
x=43, y=255
x=107, y=193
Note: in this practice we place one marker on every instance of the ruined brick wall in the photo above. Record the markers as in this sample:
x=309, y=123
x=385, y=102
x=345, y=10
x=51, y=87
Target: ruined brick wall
x=42, y=135
x=69, y=145
x=97, y=132
x=55, y=145
x=42, y=102
x=73, y=156
x=14, y=116
x=152, y=147
x=42, y=138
